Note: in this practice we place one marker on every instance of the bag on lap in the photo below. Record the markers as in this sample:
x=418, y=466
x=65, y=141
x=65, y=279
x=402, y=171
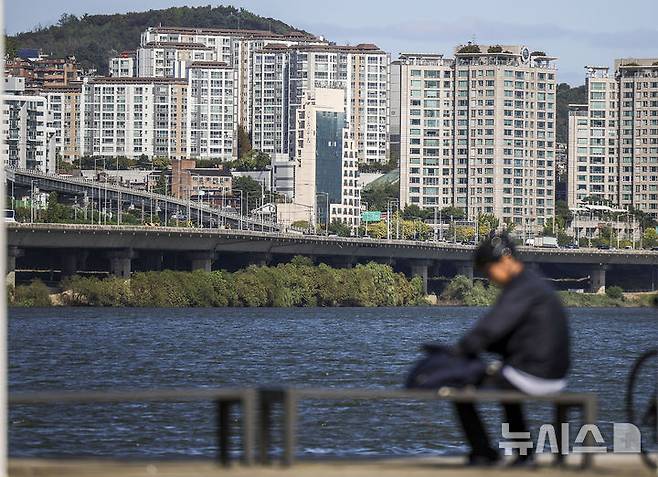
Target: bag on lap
x=440, y=367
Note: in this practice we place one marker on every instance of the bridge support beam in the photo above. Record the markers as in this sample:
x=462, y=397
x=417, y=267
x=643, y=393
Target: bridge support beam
x=120, y=262
x=202, y=260
x=597, y=279
x=419, y=268
x=343, y=261
x=12, y=254
x=465, y=268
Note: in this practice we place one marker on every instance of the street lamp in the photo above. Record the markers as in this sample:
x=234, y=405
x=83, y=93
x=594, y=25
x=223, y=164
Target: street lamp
x=240, y=220
x=389, y=211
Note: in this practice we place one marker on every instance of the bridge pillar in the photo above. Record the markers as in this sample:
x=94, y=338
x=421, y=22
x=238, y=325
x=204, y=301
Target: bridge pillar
x=465, y=268
x=597, y=279
x=12, y=254
x=419, y=268
x=202, y=260
x=69, y=264
x=153, y=261
x=120, y=262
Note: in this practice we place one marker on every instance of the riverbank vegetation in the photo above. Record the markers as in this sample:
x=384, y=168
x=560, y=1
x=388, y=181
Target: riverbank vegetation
x=298, y=283
x=462, y=291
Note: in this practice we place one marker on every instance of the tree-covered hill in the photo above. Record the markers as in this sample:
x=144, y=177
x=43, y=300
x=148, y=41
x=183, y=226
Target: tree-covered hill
x=93, y=39
x=567, y=95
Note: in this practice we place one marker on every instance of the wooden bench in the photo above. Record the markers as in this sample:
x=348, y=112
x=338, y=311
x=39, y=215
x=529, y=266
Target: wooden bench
x=289, y=398
x=224, y=399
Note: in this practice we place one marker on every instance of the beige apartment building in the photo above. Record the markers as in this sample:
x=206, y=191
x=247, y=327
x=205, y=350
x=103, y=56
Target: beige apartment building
x=64, y=106
x=613, y=139
x=478, y=132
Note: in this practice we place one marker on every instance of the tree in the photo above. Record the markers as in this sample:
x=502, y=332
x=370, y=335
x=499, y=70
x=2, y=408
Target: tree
x=487, y=223
x=650, y=238
x=457, y=213
x=244, y=143
x=565, y=96
x=161, y=185
x=378, y=197
x=339, y=228
x=92, y=39
x=251, y=161
x=251, y=192
x=412, y=212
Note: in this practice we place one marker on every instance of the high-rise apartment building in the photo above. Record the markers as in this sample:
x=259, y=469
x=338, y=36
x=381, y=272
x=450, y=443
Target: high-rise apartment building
x=231, y=46
x=28, y=139
x=613, y=139
x=64, y=107
x=133, y=116
x=478, y=132
x=170, y=59
x=211, y=111
x=282, y=76
x=425, y=121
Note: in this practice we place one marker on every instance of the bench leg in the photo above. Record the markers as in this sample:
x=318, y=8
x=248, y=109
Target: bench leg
x=264, y=430
x=223, y=431
x=289, y=427
x=590, y=410
x=561, y=417
x=248, y=418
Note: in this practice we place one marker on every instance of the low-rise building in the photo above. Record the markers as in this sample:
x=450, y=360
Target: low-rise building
x=123, y=65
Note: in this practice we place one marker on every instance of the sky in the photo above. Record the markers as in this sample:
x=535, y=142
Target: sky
x=578, y=32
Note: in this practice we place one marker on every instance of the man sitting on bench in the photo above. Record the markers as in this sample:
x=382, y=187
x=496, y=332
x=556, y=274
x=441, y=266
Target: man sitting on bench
x=528, y=327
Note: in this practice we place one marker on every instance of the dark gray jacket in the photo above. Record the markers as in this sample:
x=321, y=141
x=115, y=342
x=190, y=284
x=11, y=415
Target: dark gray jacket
x=527, y=326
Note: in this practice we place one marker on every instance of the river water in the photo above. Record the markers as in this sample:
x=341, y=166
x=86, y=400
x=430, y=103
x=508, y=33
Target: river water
x=93, y=348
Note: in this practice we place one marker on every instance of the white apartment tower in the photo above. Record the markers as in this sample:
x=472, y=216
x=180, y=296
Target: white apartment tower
x=478, y=132
x=123, y=66
x=282, y=76
x=133, y=116
x=211, y=111
x=613, y=139
x=28, y=139
x=234, y=47
x=170, y=59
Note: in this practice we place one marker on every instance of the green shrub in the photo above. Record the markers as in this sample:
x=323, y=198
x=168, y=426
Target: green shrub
x=36, y=294
x=616, y=293
x=298, y=283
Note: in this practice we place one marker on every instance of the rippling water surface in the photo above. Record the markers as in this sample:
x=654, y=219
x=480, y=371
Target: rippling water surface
x=83, y=349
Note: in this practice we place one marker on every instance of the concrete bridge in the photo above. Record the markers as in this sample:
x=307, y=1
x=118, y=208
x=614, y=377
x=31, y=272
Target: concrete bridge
x=115, y=197
x=69, y=249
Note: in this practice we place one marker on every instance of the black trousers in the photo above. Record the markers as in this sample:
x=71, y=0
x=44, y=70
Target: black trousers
x=474, y=430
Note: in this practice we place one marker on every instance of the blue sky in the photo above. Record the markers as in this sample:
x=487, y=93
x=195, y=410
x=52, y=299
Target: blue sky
x=579, y=32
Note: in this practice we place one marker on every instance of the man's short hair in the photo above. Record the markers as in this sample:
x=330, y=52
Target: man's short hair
x=493, y=248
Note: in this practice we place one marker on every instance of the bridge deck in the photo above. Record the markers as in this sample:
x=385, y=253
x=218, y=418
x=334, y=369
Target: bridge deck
x=617, y=465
